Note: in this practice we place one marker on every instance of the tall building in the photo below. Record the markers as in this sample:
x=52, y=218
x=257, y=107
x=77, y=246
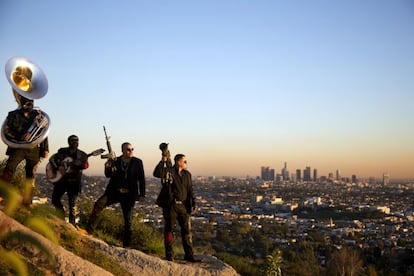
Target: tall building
x=307, y=174
x=385, y=179
x=354, y=179
x=285, y=172
x=315, y=175
x=298, y=175
x=338, y=175
x=267, y=174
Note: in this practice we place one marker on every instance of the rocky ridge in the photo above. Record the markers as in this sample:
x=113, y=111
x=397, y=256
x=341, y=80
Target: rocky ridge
x=134, y=261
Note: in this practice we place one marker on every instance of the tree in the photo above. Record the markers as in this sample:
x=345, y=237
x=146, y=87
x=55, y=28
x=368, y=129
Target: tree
x=345, y=262
x=301, y=260
x=273, y=263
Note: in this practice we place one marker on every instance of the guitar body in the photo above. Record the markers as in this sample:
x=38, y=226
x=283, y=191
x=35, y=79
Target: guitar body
x=54, y=175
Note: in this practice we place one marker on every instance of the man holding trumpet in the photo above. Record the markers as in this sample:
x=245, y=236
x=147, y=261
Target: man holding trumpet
x=177, y=200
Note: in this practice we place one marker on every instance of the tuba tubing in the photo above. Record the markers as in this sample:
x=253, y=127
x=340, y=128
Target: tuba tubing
x=39, y=123
x=39, y=130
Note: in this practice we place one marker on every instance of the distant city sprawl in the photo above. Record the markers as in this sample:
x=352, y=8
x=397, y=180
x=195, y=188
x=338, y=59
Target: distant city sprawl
x=376, y=221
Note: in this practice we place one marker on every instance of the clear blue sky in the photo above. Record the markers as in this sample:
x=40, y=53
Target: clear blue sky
x=235, y=85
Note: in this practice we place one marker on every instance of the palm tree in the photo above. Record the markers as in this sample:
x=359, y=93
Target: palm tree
x=273, y=264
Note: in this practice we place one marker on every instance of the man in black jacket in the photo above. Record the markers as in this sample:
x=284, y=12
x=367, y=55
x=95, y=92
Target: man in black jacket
x=70, y=161
x=178, y=205
x=126, y=185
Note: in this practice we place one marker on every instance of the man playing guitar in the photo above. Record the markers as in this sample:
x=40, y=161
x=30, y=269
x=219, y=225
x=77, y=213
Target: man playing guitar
x=70, y=162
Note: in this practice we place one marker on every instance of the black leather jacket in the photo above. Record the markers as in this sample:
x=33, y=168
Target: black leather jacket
x=131, y=177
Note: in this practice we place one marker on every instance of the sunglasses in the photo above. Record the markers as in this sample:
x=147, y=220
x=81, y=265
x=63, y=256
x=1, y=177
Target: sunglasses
x=130, y=149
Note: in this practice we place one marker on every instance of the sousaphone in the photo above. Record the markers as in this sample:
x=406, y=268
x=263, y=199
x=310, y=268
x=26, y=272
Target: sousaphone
x=28, y=81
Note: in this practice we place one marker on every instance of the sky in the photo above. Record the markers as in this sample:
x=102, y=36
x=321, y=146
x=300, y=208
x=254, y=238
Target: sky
x=234, y=85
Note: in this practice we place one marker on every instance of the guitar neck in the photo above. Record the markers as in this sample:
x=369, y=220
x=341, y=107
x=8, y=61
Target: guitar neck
x=96, y=152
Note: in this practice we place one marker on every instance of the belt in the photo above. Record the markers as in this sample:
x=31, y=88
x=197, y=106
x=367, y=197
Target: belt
x=123, y=190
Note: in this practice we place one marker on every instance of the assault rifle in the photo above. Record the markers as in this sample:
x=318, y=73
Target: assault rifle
x=111, y=154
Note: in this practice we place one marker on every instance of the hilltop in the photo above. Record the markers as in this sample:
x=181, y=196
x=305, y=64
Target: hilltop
x=98, y=257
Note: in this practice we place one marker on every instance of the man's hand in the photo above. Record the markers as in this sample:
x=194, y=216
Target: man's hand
x=166, y=154
x=26, y=137
x=108, y=164
x=112, y=155
x=62, y=170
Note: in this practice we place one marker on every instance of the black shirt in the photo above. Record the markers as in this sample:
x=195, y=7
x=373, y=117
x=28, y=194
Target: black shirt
x=181, y=186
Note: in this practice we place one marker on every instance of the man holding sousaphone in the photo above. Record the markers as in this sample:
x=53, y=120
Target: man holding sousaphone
x=25, y=129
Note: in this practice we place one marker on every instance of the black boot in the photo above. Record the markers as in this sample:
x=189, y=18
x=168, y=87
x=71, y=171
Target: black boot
x=169, y=254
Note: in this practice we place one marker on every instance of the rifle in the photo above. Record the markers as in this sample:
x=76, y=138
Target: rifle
x=111, y=154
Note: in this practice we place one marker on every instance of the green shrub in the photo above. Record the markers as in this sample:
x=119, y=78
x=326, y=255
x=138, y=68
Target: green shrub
x=240, y=264
x=111, y=229
x=12, y=193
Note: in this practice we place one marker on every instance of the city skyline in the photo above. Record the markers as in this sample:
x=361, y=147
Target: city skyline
x=234, y=85
x=310, y=173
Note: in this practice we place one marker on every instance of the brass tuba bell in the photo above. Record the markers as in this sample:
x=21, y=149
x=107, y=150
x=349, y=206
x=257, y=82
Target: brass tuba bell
x=26, y=78
x=28, y=83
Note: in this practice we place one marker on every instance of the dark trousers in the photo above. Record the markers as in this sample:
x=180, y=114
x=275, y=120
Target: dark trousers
x=72, y=190
x=32, y=160
x=127, y=204
x=177, y=212
x=16, y=156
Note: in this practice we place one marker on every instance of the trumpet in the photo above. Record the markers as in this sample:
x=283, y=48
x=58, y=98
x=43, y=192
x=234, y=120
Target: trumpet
x=28, y=82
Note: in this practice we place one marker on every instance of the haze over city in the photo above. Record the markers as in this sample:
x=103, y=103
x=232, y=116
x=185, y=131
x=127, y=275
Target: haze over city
x=235, y=85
